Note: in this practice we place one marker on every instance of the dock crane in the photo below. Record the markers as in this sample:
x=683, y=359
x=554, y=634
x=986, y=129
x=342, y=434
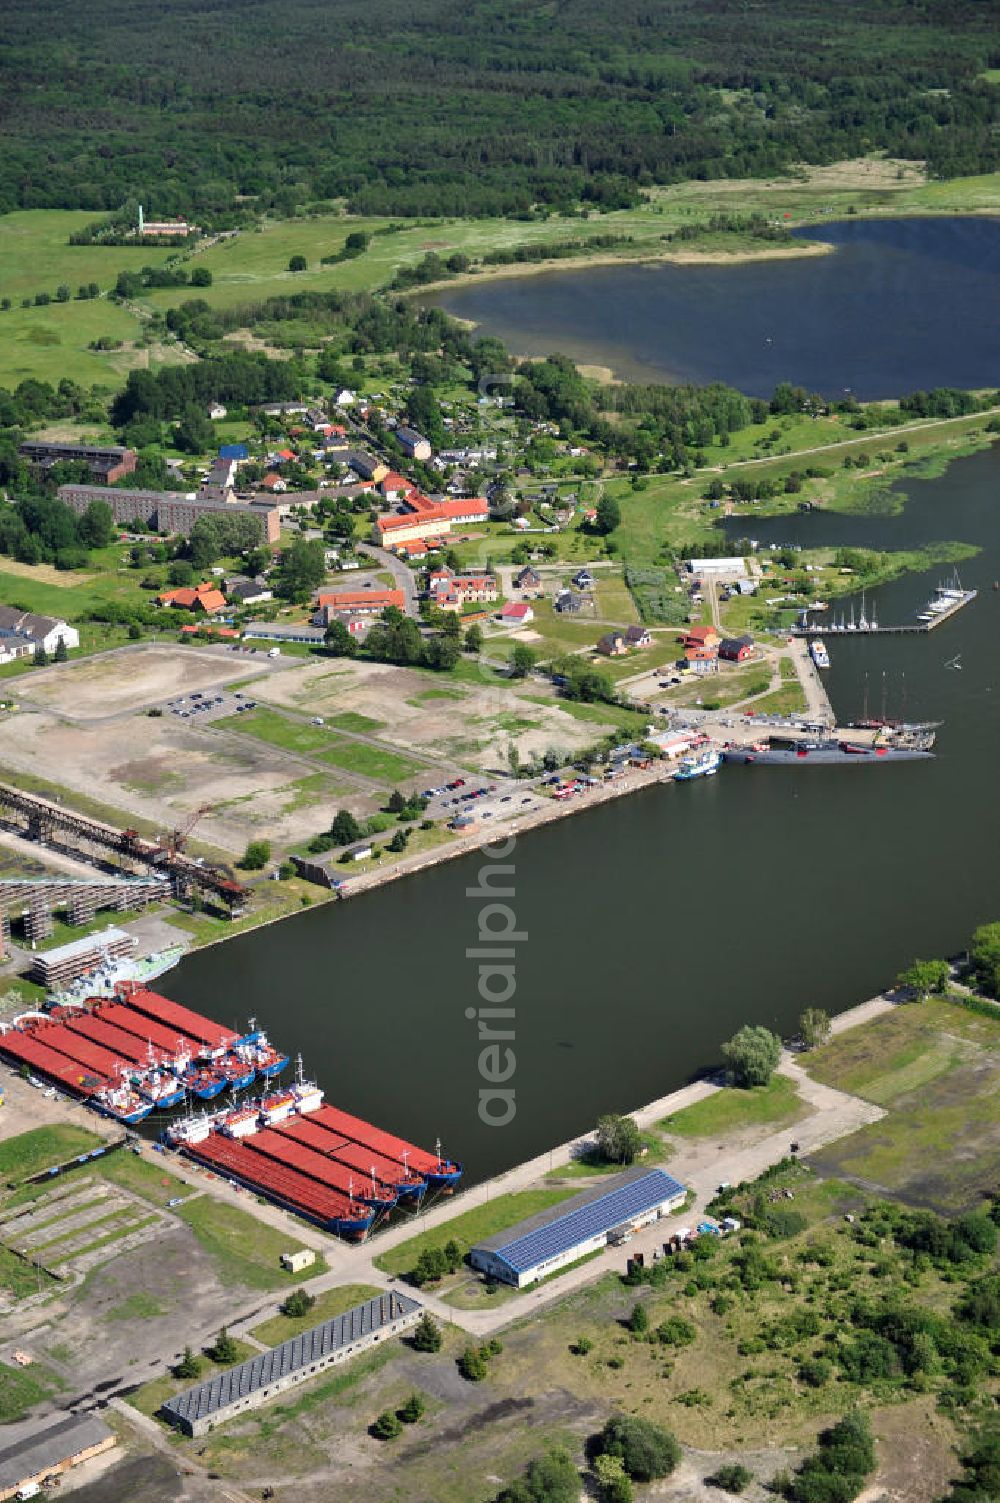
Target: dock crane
x=177, y=839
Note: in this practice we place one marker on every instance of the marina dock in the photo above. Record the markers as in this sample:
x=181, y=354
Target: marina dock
x=935, y=618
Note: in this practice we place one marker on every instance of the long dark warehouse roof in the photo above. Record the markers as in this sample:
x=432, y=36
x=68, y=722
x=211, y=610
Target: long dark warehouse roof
x=291, y=1356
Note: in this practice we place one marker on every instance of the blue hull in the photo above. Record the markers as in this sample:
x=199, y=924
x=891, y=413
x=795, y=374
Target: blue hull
x=274, y=1069
x=445, y=1179
x=412, y=1195
x=354, y=1228
x=132, y=1119
x=164, y=1103
x=206, y=1091
x=240, y=1082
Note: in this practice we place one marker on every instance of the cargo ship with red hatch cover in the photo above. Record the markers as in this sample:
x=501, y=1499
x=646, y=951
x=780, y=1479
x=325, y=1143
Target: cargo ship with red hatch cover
x=128, y=1054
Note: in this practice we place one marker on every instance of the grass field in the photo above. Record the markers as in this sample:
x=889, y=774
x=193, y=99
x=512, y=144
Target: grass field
x=471, y=1227
x=22, y=1388
x=321, y=743
x=245, y=1250
x=935, y=1067
x=51, y=341
x=328, y=1304
x=733, y=1109
x=41, y=1147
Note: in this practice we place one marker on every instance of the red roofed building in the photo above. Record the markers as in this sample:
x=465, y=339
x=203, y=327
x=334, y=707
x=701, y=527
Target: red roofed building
x=425, y=519
x=205, y=597
x=702, y=659
x=517, y=613
x=273, y=482
x=358, y=602
x=393, y=485
x=702, y=636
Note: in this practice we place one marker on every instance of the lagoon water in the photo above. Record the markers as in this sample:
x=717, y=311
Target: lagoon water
x=899, y=305
x=658, y=924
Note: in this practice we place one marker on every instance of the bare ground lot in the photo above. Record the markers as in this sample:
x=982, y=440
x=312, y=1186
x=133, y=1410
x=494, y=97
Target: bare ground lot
x=431, y=715
x=161, y=771
x=118, y=682
x=83, y=727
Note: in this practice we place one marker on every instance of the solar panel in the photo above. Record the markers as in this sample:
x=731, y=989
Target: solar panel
x=590, y=1220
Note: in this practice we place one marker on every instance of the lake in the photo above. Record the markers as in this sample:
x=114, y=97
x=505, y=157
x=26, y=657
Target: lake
x=658, y=924
x=899, y=305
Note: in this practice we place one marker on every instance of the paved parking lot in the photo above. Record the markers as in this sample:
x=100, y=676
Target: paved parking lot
x=474, y=799
x=204, y=707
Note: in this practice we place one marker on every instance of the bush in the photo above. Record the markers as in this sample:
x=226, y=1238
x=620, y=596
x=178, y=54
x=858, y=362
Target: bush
x=732, y=1478
x=472, y=1364
x=676, y=1331
x=256, y=856
x=549, y=1479
x=413, y=1410
x=647, y=1450
x=297, y=1304
x=426, y=1335
x=814, y=1372
x=638, y=1321
x=581, y=1346
x=387, y=1426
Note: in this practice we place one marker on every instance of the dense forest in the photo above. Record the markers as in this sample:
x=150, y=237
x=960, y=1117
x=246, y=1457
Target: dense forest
x=458, y=106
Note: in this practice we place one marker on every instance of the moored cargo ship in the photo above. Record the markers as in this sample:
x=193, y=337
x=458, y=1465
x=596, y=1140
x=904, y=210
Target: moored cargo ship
x=139, y=1052
x=822, y=754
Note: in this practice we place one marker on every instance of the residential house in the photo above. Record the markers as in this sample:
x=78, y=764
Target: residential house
x=745, y=586
x=638, y=636
x=736, y=649
x=394, y=485
x=583, y=579
x=529, y=582
x=451, y=591
x=702, y=636
x=702, y=660
x=517, y=613
x=345, y=397
x=14, y=645
x=45, y=632
x=366, y=466
x=248, y=591
x=568, y=604
x=237, y=453
x=413, y=444
x=273, y=482
x=612, y=644
x=216, y=411
x=206, y=598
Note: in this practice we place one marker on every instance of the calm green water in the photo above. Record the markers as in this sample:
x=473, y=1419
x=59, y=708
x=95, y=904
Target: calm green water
x=658, y=925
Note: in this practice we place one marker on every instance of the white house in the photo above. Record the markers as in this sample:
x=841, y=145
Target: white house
x=345, y=397
x=41, y=631
x=216, y=411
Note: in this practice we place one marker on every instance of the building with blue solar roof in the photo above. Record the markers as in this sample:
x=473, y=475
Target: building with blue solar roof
x=564, y=1233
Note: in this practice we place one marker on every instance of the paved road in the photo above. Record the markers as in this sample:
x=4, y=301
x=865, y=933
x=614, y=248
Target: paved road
x=401, y=573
